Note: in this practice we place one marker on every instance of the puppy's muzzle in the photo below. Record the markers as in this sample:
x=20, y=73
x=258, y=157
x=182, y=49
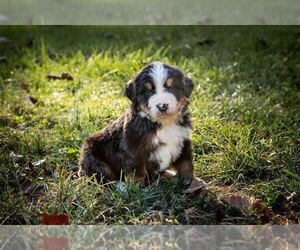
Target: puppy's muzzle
x=163, y=107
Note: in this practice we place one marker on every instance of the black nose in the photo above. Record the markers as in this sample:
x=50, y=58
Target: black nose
x=162, y=108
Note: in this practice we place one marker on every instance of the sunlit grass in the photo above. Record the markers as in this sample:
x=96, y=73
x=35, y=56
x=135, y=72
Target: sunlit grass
x=245, y=110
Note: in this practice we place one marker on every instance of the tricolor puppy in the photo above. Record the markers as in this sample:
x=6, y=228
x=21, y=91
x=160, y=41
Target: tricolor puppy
x=151, y=137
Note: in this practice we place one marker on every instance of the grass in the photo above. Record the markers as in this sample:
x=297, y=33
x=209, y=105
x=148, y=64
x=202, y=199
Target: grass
x=245, y=109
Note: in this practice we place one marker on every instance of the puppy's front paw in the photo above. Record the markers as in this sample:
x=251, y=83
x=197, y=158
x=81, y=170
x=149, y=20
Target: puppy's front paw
x=139, y=180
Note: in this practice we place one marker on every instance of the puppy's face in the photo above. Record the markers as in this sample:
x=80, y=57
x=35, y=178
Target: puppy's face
x=159, y=90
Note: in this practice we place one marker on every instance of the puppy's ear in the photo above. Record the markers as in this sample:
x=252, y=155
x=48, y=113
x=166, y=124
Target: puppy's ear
x=130, y=90
x=188, y=86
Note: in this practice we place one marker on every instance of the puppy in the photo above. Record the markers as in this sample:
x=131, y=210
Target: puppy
x=151, y=137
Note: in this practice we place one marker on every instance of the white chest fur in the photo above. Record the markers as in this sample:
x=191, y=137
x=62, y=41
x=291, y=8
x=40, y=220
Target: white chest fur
x=170, y=139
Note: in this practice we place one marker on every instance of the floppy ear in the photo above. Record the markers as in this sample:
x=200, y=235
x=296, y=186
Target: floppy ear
x=188, y=86
x=130, y=90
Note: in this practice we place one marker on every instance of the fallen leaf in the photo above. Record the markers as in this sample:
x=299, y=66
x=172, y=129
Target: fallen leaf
x=196, y=185
x=266, y=214
x=240, y=202
x=54, y=219
x=62, y=76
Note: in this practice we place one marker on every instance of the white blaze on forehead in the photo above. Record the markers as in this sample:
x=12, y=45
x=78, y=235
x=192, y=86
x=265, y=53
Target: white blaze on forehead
x=161, y=96
x=159, y=75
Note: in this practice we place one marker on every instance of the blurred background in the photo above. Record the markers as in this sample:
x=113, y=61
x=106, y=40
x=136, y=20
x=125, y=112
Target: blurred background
x=192, y=12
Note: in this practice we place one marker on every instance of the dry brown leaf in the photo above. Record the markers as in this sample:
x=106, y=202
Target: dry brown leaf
x=196, y=185
x=240, y=202
x=265, y=213
x=54, y=219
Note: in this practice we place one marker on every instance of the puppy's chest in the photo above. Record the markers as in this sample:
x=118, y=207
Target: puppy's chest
x=168, y=141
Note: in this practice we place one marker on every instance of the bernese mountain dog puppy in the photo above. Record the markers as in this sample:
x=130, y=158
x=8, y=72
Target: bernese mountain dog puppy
x=151, y=137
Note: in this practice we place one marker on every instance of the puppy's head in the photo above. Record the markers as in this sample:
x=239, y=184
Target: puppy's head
x=159, y=90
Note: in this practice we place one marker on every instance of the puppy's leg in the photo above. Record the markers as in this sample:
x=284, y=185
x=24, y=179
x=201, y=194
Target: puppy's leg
x=185, y=169
x=184, y=164
x=89, y=165
x=138, y=175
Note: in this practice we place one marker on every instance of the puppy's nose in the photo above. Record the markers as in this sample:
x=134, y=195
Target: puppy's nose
x=162, y=107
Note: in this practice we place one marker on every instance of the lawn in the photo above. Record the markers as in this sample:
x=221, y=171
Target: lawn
x=245, y=110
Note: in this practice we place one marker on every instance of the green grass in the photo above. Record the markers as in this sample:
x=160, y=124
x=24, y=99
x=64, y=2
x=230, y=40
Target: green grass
x=245, y=109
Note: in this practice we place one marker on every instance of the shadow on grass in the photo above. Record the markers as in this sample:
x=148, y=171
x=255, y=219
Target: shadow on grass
x=245, y=110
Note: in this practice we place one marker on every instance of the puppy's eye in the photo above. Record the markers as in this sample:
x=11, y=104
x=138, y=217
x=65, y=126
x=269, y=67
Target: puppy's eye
x=148, y=87
x=169, y=83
